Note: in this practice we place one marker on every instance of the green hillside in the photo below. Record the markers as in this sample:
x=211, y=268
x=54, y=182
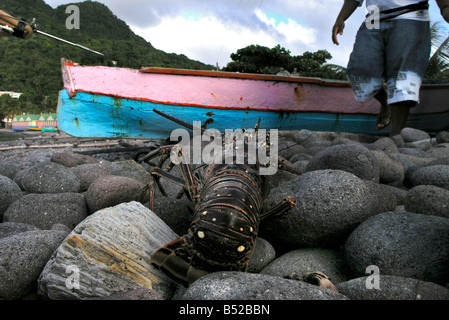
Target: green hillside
x=33, y=66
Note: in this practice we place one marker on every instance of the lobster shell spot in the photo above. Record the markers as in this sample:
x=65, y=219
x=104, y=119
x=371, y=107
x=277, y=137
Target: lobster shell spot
x=200, y=234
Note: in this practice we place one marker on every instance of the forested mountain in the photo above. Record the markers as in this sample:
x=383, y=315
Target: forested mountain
x=33, y=66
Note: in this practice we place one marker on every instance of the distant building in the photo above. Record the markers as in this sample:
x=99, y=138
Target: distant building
x=25, y=122
x=12, y=94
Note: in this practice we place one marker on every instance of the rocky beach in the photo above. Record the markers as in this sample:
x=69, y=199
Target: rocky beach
x=371, y=213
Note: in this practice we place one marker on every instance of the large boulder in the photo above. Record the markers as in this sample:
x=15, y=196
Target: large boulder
x=9, y=193
x=439, y=151
x=249, y=286
x=437, y=175
x=384, y=144
x=263, y=254
x=8, y=229
x=174, y=212
x=46, y=210
x=88, y=173
x=23, y=257
x=109, y=253
x=390, y=169
x=50, y=177
x=109, y=191
x=71, y=159
x=392, y=288
x=403, y=244
x=442, y=137
x=413, y=135
x=353, y=158
x=302, y=261
x=130, y=169
x=330, y=204
x=8, y=169
x=427, y=199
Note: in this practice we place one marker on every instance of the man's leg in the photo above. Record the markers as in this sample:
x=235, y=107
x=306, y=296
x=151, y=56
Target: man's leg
x=407, y=55
x=384, y=116
x=399, y=116
x=366, y=70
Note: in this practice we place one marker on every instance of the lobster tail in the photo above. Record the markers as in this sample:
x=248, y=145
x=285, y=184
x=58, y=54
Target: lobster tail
x=173, y=260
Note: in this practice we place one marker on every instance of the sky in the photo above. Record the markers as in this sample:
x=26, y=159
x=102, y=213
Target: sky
x=210, y=30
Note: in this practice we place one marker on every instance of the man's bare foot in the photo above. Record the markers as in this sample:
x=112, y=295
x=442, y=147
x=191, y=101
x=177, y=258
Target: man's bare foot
x=384, y=117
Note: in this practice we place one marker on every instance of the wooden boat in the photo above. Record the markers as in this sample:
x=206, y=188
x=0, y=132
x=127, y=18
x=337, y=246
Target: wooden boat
x=35, y=128
x=49, y=129
x=102, y=101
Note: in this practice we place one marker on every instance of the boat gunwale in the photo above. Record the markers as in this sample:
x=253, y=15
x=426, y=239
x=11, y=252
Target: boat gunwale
x=244, y=76
x=265, y=77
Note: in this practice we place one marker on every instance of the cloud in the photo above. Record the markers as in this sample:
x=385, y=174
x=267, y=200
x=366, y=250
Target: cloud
x=290, y=31
x=206, y=39
x=150, y=13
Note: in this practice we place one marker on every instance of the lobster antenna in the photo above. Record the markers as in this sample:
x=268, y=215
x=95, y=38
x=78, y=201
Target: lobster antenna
x=178, y=121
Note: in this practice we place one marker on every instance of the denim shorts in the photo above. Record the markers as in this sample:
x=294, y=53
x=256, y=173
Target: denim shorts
x=396, y=53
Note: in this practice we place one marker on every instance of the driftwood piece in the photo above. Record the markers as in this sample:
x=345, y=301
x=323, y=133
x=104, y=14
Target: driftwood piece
x=96, y=145
x=111, y=150
x=12, y=148
x=123, y=145
x=60, y=145
x=48, y=146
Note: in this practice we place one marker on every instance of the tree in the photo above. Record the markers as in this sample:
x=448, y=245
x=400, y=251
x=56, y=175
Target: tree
x=8, y=106
x=260, y=59
x=438, y=67
x=310, y=64
x=333, y=71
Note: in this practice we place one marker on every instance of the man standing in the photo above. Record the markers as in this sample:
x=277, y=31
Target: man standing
x=10, y=26
x=392, y=46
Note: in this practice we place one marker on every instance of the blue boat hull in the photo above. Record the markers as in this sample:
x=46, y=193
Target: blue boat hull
x=92, y=115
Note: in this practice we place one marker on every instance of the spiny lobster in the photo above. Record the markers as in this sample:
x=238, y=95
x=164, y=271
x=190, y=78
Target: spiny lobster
x=228, y=206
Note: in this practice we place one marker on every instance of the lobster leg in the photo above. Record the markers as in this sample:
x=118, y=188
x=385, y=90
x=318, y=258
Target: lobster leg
x=190, y=181
x=286, y=165
x=150, y=187
x=155, y=176
x=155, y=179
x=164, y=152
x=281, y=209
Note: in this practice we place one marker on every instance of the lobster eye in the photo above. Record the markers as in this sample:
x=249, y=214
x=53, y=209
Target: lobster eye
x=241, y=249
x=201, y=234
